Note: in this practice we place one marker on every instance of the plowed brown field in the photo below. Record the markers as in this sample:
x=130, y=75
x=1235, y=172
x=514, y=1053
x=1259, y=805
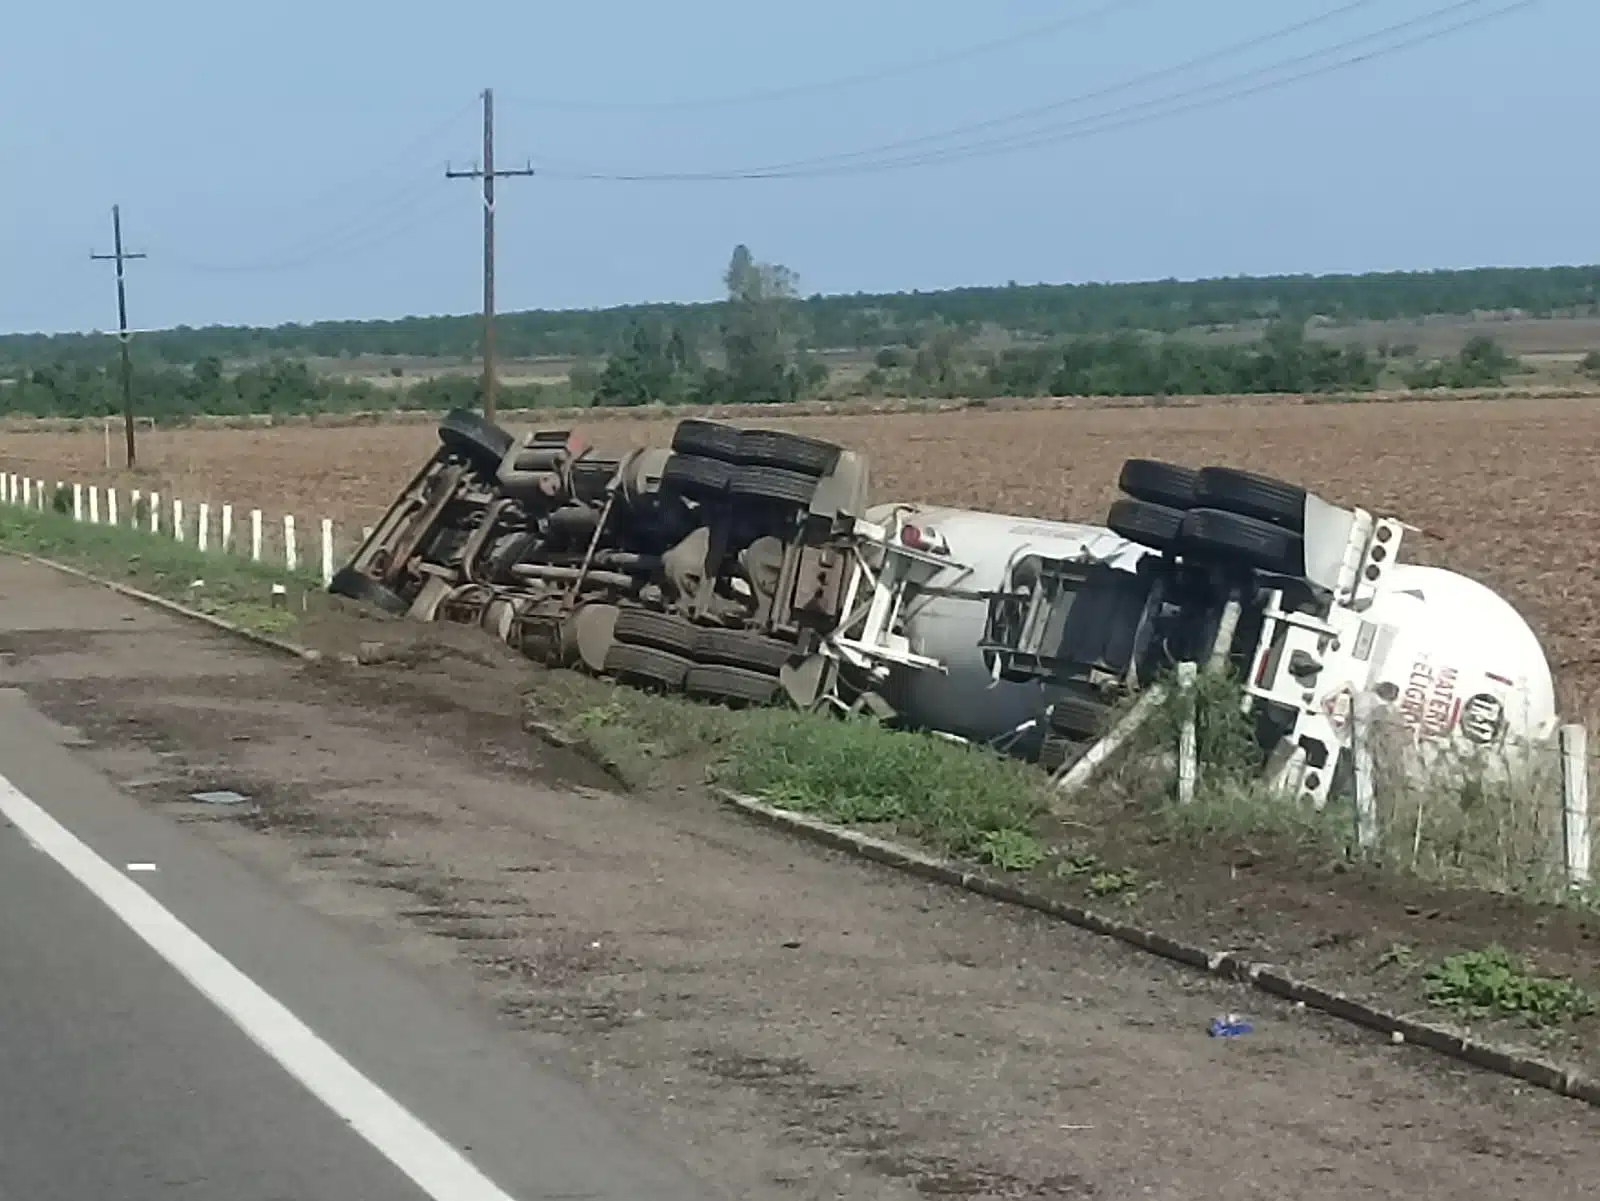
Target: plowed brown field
x=1509, y=489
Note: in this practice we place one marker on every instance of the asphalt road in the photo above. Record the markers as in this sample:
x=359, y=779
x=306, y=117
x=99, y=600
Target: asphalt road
x=120, y=1079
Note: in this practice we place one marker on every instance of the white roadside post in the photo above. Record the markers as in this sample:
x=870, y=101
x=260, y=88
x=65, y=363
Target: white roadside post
x=77, y=502
x=8, y=488
x=202, y=537
x=111, y=506
x=1361, y=762
x=227, y=529
x=1188, y=747
x=291, y=554
x=155, y=512
x=255, y=535
x=177, y=519
x=327, y=551
x=94, y=504
x=1575, y=803
x=27, y=492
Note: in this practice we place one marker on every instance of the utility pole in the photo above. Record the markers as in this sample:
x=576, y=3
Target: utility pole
x=488, y=174
x=121, y=257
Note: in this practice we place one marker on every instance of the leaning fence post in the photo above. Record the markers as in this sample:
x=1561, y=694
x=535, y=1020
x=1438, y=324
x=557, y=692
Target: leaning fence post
x=94, y=504
x=1081, y=772
x=327, y=550
x=111, y=506
x=255, y=535
x=227, y=529
x=1362, y=765
x=202, y=535
x=1575, y=803
x=1188, y=747
x=155, y=512
x=177, y=519
x=77, y=502
x=291, y=557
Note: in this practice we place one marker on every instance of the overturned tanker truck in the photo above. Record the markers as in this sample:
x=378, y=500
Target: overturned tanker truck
x=748, y=566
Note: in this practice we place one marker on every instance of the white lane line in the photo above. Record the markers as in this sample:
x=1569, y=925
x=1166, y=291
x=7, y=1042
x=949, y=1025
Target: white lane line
x=436, y=1167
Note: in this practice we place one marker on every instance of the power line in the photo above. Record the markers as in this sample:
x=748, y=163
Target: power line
x=314, y=247
x=1189, y=100
x=839, y=83
x=121, y=257
x=345, y=242
x=1161, y=73
x=488, y=175
x=1116, y=118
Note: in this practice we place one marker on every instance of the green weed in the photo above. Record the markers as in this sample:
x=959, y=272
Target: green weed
x=1493, y=983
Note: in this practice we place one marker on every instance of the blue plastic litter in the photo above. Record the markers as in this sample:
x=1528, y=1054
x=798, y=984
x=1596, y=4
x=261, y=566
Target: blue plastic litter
x=1230, y=1026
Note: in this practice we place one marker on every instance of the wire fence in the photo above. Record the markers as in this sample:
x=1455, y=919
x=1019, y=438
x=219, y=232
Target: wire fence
x=1509, y=816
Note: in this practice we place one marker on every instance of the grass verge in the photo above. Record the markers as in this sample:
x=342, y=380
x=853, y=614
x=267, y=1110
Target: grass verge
x=222, y=585
x=956, y=799
x=1239, y=867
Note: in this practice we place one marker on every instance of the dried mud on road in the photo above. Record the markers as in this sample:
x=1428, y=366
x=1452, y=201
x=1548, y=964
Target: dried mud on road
x=793, y=1023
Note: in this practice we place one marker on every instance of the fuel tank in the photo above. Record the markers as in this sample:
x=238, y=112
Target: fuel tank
x=946, y=619
x=1454, y=664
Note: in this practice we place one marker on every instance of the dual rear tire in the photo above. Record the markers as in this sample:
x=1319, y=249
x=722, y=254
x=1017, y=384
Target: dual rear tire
x=1215, y=513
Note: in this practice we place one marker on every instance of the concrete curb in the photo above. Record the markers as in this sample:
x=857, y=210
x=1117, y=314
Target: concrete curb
x=1222, y=964
x=281, y=645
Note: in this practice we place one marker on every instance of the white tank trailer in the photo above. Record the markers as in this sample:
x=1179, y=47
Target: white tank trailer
x=1425, y=651
x=946, y=618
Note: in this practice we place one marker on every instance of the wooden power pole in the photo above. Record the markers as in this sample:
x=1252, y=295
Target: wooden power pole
x=488, y=174
x=120, y=257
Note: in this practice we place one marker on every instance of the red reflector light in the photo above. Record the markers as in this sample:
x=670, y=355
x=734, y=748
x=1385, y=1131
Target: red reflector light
x=912, y=537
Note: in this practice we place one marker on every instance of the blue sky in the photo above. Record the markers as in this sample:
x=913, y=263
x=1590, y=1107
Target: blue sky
x=285, y=162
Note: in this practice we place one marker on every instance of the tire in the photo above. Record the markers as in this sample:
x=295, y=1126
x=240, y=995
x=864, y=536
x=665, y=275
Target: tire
x=1152, y=525
x=1079, y=718
x=1159, y=483
x=736, y=684
x=350, y=583
x=740, y=648
x=787, y=452
x=1256, y=496
x=707, y=439
x=646, y=665
x=1055, y=752
x=696, y=477
x=480, y=442
x=1230, y=537
x=658, y=631
x=773, y=483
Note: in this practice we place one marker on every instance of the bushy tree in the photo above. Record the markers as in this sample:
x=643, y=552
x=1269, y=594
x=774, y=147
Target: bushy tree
x=652, y=366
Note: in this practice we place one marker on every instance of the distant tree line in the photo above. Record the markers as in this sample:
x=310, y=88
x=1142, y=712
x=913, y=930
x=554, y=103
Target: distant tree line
x=758, y=352
x=1035, y=312
x=280, y=387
